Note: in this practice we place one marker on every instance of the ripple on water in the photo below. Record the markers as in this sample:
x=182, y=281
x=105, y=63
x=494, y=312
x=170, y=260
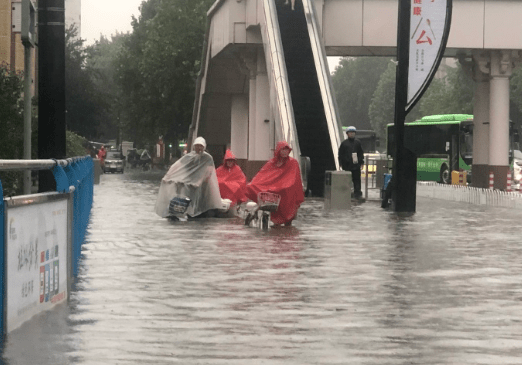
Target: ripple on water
x=361, y=286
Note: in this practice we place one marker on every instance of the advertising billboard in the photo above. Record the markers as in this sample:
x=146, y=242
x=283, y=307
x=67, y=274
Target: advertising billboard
x=36, y=249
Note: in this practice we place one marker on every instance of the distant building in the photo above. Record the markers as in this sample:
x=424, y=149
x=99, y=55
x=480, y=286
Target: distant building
x=73, y=14
x=11, y=48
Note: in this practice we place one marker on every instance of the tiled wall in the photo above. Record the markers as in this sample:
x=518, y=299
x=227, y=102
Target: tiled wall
x=5, y=31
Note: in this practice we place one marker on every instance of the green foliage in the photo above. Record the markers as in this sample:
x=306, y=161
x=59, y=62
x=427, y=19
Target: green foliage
x=12, y=130
x=516, y=87
x=11, y=113
x=86, y=103
x=355, y=81
x=157, y=67
x=101, y=60
x=516, y=97
x=76, y=146
x=11, y=126
x=381, y=110
x=450, y=95
x=12, y=181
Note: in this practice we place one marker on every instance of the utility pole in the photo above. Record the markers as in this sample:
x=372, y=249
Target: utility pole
x=404, y=164
x=422, y=34
x=29, y=41
x=51, y=86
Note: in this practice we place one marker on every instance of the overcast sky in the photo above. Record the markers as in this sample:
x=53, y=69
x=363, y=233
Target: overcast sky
x=106, y=17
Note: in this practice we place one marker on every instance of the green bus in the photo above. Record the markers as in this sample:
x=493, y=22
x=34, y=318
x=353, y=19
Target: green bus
x=368, y=138
x=442, y=143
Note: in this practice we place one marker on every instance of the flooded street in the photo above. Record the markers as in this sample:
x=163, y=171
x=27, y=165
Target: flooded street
x=363, y=286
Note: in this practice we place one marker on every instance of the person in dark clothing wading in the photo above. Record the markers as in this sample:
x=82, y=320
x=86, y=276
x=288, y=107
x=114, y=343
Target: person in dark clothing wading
x=351, y=158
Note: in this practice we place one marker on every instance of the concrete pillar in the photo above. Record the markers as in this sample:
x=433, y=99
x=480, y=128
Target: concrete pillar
x=252, y=118
x=500, y=71
x=239, y=126
x=257, y=75
x=263, y=150
x=480, y=169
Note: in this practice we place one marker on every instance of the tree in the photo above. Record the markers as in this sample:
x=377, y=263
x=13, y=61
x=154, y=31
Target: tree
x=11, y=126
x=452, y=94
x=355, y=81
x=381, y=111
x=101, y=60
x=84, y=101
x=158, y=66
x=516, y=98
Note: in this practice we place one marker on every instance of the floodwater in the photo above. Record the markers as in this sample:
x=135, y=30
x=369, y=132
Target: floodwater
x=362, y=286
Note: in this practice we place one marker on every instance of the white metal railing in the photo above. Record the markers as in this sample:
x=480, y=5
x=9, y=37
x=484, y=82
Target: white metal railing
x=469, y=195
x=278, y=77
x=323, y=76
x=22, y=165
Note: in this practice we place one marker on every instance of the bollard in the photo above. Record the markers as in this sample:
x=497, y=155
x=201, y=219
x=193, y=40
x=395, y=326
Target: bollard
x=98, y=171
x=455, y=177
x=508, y=187
x=491, y=180
x=337, y=190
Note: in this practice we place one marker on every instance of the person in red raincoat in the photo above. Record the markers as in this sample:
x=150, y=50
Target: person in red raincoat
x=101, y=156
x=231, y=179
x=280, y=175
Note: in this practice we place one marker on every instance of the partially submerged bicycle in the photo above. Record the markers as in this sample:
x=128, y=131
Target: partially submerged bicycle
x=259, y=213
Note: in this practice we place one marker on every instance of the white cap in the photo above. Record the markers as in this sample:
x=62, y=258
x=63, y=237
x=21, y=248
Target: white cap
x=201, y=141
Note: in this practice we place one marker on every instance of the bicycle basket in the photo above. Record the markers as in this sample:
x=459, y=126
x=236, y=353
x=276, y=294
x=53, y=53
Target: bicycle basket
x=178, y=205
x=268, y=201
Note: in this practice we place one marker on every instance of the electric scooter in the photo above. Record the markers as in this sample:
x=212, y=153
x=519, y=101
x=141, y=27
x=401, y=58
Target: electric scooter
x=258, y=214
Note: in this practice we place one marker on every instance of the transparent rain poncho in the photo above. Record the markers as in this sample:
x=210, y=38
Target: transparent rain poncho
x=192, y=176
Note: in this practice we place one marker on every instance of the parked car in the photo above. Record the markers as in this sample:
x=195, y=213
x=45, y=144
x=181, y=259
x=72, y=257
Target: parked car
x=114, y=162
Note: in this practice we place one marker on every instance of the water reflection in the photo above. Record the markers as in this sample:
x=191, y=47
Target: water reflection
x=362, y=286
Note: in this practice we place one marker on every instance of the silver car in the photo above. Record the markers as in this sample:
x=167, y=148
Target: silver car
x=114, y=162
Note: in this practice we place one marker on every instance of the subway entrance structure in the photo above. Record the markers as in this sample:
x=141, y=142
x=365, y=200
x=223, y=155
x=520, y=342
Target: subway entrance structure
x=265, y=76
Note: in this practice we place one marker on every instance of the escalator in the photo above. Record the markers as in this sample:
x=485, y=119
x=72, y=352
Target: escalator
x=303, y=77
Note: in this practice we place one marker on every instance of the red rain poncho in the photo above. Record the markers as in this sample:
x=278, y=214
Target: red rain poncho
x=232, y=181
x=284, y=180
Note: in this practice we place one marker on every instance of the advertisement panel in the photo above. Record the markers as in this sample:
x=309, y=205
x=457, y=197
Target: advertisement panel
x=429, y=28
x=36, y=259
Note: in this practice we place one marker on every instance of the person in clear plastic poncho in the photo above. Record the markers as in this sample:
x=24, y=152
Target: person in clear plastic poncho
x=192, y=176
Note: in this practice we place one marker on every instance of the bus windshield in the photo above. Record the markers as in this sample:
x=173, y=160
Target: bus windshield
x=369, y=140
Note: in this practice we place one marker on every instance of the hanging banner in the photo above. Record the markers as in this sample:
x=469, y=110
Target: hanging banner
x=430, y=22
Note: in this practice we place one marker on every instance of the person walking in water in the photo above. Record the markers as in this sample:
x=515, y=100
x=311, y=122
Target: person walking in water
x=351, y=158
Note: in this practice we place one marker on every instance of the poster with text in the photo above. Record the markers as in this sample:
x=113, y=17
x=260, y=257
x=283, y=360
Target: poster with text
x=36, y=250
x=429, y=25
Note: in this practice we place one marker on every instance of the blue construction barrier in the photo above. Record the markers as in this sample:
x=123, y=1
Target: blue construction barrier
x=79, y=174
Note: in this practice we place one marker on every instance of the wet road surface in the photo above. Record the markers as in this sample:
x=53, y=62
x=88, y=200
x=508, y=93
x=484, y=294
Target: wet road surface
x=363, y=286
